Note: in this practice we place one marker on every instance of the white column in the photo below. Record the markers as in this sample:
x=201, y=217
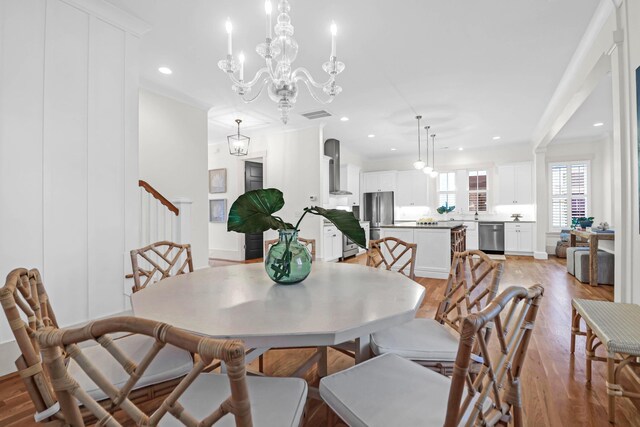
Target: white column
x=182, y=223
x=542, y=203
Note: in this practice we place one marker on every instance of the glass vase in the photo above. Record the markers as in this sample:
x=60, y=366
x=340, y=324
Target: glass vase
x=288, y=261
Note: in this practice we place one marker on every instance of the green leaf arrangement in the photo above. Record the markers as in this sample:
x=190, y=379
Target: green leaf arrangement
x=445, y=209
x=253, y=212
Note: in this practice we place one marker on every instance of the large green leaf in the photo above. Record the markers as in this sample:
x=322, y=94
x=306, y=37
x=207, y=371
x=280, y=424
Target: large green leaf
x=345, y=221
x=252, y=212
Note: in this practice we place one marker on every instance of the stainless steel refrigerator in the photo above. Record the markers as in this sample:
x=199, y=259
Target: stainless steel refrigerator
x=378, y=210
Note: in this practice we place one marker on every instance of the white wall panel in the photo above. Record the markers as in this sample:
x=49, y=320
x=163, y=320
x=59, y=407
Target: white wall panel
x=106, y=166
x=65, y=160
x=21, y=86
x=68, y=152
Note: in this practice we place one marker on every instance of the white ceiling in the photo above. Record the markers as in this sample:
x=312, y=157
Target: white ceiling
x=473, y=69
x=597, y=108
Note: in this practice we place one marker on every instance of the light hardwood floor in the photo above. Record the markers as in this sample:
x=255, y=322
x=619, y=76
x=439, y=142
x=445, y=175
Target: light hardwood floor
x=553, y=380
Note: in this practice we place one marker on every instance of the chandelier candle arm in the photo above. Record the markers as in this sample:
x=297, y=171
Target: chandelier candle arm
x=334, y=32
x=268, y=9
x=229, y=28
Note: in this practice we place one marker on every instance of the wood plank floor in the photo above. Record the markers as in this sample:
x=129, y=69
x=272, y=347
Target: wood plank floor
x=553, y=381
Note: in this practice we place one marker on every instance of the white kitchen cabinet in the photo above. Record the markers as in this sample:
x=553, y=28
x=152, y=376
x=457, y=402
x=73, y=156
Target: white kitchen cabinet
x=516, y=183
x=412, y=188
x=518, y=238
x=350, y=181
x=472, y=235
x=331, y=243
x=379, y=181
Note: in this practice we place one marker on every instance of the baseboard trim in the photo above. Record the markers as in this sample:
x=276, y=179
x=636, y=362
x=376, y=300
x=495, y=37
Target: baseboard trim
x=540, y=255
x=225, y=254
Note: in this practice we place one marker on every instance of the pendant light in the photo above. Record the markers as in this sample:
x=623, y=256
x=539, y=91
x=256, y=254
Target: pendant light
x=428, y=168
x=419, y=164
x=434, y=172
x=238, y=144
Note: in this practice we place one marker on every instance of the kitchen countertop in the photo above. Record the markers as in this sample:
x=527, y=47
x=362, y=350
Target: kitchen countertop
x=442, y=225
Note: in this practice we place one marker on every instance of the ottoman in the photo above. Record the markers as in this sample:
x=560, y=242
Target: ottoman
x=571, y=257
x=605, y=267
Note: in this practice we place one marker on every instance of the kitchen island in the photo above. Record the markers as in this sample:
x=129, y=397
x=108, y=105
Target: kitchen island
x=433, y=255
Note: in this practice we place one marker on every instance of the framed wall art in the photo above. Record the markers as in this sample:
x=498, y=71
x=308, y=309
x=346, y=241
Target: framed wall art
x=218, y=181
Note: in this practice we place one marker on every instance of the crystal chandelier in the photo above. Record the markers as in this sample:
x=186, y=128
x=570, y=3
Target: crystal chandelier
x=279, y=53
x=238, y=144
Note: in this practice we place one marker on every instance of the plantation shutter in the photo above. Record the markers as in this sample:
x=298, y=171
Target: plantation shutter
x=569, y=188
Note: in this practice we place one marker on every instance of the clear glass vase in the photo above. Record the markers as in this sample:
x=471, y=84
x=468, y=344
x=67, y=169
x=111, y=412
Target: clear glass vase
x=288, y=261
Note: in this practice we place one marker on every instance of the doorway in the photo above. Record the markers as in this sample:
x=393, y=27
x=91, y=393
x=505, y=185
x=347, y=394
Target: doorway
x=253, y=243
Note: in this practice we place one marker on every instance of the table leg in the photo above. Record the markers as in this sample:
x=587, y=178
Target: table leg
x=593, y=260
x=323, y=363
x=572, y=240
x=363, y=352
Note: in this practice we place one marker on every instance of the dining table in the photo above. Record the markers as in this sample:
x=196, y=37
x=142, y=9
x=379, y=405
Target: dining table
x=335, y=304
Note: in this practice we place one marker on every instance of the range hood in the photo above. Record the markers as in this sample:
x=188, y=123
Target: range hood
x=332, y=149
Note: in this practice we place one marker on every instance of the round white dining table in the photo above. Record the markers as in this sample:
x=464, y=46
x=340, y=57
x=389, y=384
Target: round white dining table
x=337, y=303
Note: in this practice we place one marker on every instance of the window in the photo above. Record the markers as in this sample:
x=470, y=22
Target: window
x=478, y=191
x=447, y=189
x=569, y=192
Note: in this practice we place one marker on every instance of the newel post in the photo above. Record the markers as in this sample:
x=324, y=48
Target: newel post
x=182, y=222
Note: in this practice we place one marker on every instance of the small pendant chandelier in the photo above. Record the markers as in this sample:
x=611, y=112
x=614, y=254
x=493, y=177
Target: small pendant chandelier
x=238, y=144
x=434, y=172
x=428, y=168
x=419, y=164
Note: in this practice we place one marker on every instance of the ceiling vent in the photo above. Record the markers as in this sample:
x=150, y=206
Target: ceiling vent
x=311, y=115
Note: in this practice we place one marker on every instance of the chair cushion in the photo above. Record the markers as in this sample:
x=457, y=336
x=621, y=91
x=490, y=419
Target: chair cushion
x=275, y=402
x=170, y=363
x=419, y=339
x=614, y=323
x=387, y=391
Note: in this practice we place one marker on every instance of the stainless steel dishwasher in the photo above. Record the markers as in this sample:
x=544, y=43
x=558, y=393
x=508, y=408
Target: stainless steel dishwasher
x=491, y=237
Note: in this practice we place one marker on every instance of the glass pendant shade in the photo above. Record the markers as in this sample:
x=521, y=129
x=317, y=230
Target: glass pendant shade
x=418, y=164
x=434, y=173
x=238, y=144
x=427, y=170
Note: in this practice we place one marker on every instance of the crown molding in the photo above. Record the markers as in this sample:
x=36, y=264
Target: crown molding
x=112, y=14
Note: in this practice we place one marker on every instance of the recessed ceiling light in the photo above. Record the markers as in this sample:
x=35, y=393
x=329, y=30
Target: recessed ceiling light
x=165, y=70
x=393, y=149
x=495, y=138
x=371, y=135
x=598, y=124
x=344, y=119
x=460, y=149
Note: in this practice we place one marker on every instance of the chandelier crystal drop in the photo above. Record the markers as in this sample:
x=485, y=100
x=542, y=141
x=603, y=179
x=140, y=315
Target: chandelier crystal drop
x=279, y=51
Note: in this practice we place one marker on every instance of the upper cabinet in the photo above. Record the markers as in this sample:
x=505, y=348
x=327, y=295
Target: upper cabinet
x=350, y=181
x=412, y=188
x=378, y=181
x=515, y=184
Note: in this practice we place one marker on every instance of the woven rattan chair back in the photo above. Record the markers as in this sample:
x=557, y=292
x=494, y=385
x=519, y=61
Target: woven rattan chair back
x=392, y=253
x=158, y=261
x=69, y=393
x=309, y=243
x=493, y=394
x=26, y=306
x=469, y=291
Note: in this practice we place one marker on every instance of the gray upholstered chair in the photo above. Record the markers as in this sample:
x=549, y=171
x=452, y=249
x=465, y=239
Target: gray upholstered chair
x=392, y=391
